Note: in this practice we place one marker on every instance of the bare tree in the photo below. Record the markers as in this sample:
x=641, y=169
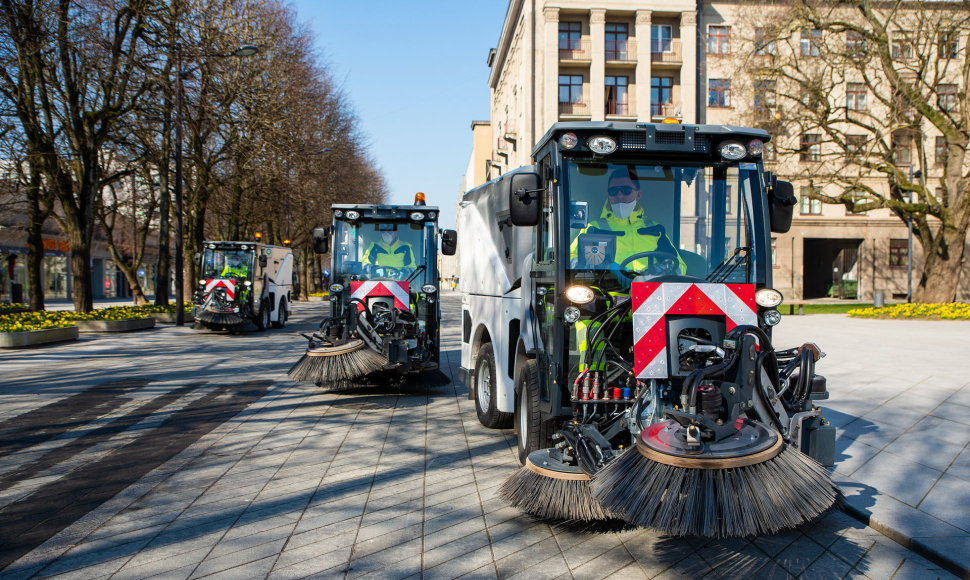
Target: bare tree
x=873, y=97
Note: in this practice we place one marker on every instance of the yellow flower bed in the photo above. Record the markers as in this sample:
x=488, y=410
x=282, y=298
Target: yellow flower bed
x=319, y=294
x=24, y=321
x=6, y=308
x=948, y=311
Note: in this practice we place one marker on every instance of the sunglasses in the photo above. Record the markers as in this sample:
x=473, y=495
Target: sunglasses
x=620, y=190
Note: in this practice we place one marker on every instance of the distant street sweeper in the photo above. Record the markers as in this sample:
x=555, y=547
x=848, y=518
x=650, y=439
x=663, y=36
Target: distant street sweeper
x=385, y=315
x=618, y=312
x=241, y=282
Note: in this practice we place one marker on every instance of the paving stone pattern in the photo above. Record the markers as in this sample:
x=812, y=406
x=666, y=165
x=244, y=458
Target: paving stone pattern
x=366, y=484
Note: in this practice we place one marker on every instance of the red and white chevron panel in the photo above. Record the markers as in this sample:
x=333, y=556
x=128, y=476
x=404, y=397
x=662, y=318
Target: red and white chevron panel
x=229, y=285
x=399, y=290
x=652, y=302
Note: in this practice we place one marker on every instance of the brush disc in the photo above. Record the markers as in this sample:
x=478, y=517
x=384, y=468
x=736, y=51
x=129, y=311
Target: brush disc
x=717, y=492
x=219, y=318
x=547, y=488
x=334, y=367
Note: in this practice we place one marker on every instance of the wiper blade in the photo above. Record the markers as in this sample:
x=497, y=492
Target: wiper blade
x=729, y=265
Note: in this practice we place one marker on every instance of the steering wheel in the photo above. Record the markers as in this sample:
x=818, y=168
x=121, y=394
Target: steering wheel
x=663, y=263
x=387, y=272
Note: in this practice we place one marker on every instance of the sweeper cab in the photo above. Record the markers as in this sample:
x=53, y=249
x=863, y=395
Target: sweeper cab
x=241, y=282
x=618, y=311
x=383, y=295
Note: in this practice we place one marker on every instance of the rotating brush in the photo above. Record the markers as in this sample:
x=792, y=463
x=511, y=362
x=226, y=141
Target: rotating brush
x=545, y=487
x=211, y=318
x=336, y=367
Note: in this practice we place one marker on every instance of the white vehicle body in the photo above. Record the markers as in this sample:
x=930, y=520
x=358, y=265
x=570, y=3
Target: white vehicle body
x=274, y=286
x=493, y=257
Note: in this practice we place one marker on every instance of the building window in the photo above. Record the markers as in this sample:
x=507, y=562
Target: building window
x=661, y=38
x=719, y=93
x=949, y=44
x=617, y=96
x=810, y=147
x=940, y=150
x=855, y=145
x=902, y=149
x=902, y=45
x=857, y=198
x=855, y=44
x=764, y=94
x=616, y=41
x=769, y=154
x=570, y=89
x=810, y=42
x=946, y=95
x=808, y=205
x=855, y=97
x=718, y=40
x=762, y=45
x=728, y=197
x=774, y=252
x=570, y=34
x=661, y=96
x=898, y=253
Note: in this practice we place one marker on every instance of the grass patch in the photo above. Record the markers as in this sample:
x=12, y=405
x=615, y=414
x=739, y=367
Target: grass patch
x=827, y=308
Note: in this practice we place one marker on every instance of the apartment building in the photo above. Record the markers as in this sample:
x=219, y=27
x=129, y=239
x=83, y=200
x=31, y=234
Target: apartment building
x=559, y=60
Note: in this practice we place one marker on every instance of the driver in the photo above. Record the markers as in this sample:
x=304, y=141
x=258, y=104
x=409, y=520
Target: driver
x=235, y=268
x=390, y=252
x=623, y=216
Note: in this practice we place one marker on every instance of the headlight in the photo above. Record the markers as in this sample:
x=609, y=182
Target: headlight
x=417, y=216
x=570, y=314
x=247, y=283
x=432, y=215
x=338, y=213
x=756, y=147
x=201, y=282
x=732, y=150
x=244, y=247
x=353, y=215
x=568, y=141
x=429, y=288
x=336, y=287
x=580, y=294
x=601, y=144
x=333, y=297
x=768, y=298
x=772, y=317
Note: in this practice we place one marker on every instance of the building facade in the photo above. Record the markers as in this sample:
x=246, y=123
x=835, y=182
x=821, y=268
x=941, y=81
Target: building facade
x=559, y=60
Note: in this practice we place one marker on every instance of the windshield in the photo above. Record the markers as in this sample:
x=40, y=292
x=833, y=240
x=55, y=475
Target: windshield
x=368, y=250
x=226, y=263
x=643, y=221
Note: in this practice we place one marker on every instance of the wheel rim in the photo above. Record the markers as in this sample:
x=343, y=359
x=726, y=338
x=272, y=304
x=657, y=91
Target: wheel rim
x=483, y=387
x=523, y=420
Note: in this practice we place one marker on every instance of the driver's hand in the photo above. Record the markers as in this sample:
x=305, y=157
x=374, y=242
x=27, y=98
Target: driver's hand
x=622, y=279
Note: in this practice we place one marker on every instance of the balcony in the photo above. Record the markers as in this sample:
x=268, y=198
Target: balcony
x=664, y=110
x=617, y=109
x=575, y=50
x=574, y=109
x=621, y=51
x=672, y=55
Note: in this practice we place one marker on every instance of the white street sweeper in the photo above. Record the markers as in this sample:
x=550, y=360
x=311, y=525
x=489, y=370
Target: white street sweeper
x=385, y=316
x=618, y=311
x=241, y=282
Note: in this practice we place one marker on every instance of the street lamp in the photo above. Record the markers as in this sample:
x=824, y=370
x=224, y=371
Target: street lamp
x=242, y=51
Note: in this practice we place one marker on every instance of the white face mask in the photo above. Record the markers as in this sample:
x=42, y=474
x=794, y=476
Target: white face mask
x=623, y=210
x=387, y=237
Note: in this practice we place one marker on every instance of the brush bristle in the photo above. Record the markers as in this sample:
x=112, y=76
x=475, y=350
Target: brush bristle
x=551, y=498
x=218, y=318
x=336, y=369
x=764, y=498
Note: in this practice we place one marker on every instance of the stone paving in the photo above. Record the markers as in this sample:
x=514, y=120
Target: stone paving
x=393, y=484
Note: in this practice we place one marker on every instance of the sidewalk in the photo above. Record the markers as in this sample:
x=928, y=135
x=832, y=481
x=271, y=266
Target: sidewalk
x=900, y=400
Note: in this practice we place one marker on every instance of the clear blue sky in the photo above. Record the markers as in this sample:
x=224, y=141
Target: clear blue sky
x=416, y=75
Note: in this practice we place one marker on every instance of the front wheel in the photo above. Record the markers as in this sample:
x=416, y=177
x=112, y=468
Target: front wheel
x=486, y=392
x=533, y=432
x=283, y=314
x=262, y=318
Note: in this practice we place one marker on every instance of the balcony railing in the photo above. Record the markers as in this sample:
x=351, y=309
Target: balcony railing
x=615, y=108
x=574, y=109
x=664, y=110
x=672, y=56
x=622, y=50
x=574, y=49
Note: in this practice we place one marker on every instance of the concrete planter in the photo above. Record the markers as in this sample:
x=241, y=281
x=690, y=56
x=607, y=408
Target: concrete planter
x=169, y=317
x=115, y=325
x=37, y=337
x=317, y=298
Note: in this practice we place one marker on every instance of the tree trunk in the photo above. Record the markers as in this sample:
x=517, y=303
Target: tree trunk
x=163, y=269
x=37, y=215
x=83, y=295
x=941, y=268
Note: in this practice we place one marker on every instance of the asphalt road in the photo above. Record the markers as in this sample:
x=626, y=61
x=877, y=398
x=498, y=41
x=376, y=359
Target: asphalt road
x=185, y=454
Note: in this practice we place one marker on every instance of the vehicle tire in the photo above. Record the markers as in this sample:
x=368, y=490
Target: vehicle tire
x=533, y=432
x=283, y=313
x=262, y=318
x=486, y=394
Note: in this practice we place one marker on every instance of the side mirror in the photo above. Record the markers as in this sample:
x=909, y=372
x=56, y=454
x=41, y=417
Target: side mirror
x=262, y=260
x=197, y=258
x=523, y=192
x=449, y=242
x=321, y=240
x=781, y=205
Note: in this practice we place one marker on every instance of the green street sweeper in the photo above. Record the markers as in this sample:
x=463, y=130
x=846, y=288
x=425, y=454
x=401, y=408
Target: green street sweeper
x=241, y=282
x=618, y=311
x=385, y=315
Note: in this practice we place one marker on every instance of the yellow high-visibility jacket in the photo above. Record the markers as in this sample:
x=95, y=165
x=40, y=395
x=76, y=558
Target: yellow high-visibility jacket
x=635, y=234
x=395, y=255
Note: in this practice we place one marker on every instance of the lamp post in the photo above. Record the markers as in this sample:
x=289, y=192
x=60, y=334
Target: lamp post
x=242, y=51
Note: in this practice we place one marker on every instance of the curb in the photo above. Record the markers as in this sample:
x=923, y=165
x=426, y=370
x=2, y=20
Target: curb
x=115, y=325
x=29, y=338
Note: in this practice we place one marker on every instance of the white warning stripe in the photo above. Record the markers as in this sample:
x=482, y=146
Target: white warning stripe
x=394, y=288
